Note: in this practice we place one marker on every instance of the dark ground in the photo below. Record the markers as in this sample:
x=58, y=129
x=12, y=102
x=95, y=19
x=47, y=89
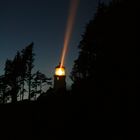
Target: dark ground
x=62, y=118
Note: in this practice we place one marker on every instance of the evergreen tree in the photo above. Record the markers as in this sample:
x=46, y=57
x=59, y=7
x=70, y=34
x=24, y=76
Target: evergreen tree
x=106, y=48
x=28, y=59
x=13, y=76
x=18, y=77
x=39, y=81
x=3, y=92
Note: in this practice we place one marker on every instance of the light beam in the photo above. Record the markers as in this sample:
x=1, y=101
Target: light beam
x=69, y=28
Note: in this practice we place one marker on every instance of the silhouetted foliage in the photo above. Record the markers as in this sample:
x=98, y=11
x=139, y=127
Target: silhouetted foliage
x=12, y=76
x=29, y=59
x=39, y=81
x=18, y=77
x=104, y=73
x=105, y=50
x=3, y=90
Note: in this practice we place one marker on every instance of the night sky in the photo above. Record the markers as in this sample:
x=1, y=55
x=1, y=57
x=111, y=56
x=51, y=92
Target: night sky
x=42, y=22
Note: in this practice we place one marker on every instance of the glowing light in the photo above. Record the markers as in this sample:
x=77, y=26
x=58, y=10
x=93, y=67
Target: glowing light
x=69, y=28
x=60, y=71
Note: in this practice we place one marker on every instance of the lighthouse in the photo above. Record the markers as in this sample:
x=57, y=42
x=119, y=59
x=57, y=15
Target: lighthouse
x=60, y=78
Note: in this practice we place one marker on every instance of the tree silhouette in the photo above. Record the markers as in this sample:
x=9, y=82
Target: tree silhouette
x=18, y=77
x=39, y=80
x=17, y=71
x=104, y=40
x=12, y=77
x=106, y=63
x=28, y=59
x=3, y=90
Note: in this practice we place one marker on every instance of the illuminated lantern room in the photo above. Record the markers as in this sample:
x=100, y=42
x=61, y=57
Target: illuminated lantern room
x=60, y=71
x=59, y=78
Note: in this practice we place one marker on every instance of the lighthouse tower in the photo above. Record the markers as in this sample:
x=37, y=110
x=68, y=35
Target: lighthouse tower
x=60, y=78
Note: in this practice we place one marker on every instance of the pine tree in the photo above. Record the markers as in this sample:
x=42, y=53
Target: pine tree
x=28, y=59
x=106, y=48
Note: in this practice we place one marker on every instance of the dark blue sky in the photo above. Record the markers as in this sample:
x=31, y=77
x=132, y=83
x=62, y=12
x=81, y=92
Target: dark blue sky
x=42, y=22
